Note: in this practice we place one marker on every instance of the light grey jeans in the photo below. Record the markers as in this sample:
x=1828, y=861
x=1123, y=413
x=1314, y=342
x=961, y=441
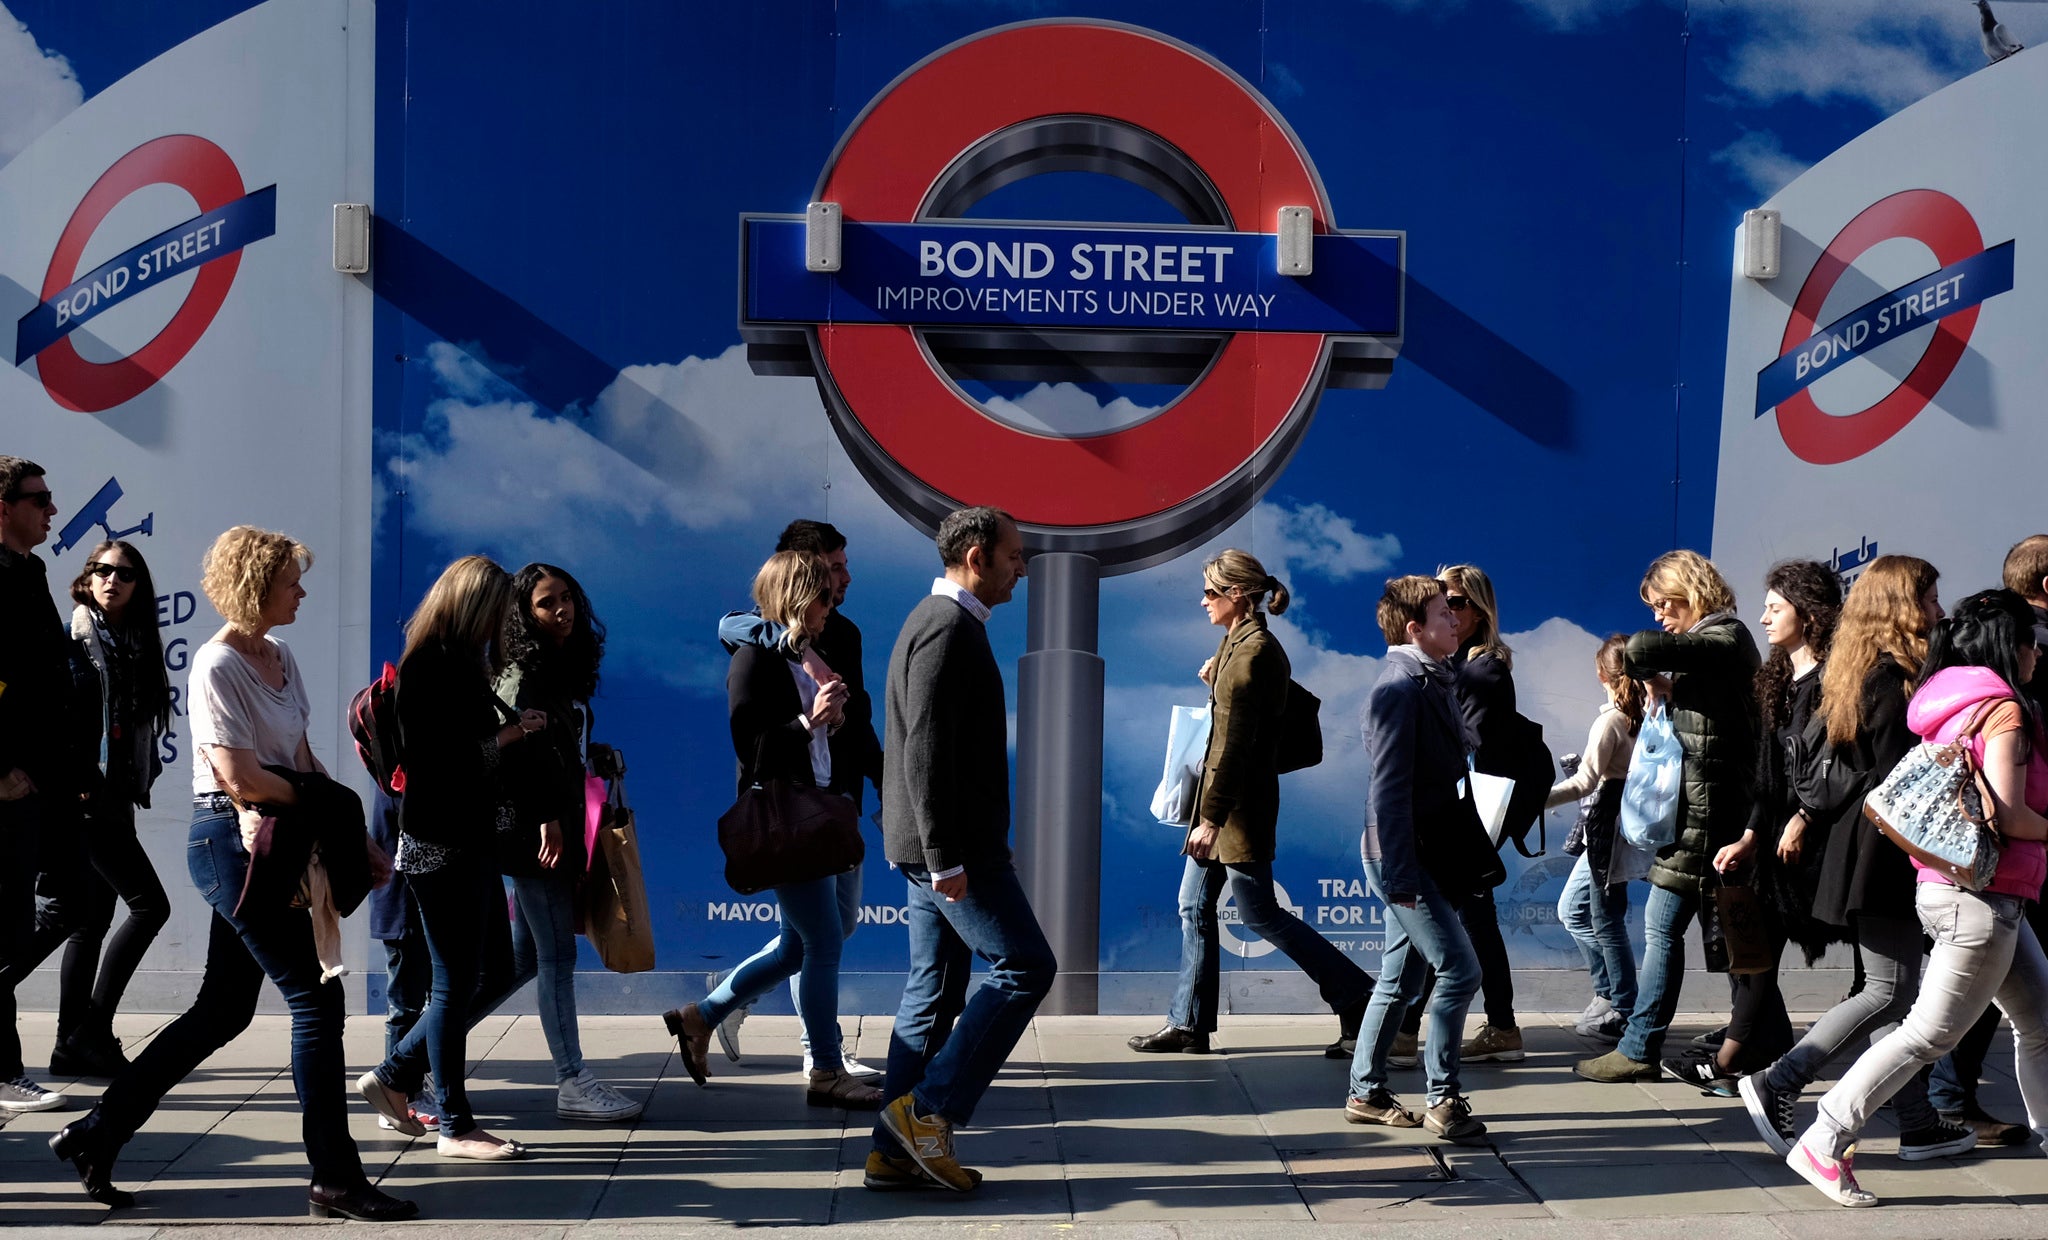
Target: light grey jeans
x=1984, y=951
x=1891, y=951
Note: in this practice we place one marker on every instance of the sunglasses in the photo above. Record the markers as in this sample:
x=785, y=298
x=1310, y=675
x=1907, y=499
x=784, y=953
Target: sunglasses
x=1210, y=592
x=1457, y=602
x=41, y=499
x=120, y=572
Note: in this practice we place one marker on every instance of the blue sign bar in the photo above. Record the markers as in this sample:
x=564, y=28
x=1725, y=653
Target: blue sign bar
x=1002, y=275
x=1882, y=320
x=194, y=243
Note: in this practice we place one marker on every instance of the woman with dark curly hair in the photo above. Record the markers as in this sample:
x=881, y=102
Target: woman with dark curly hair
x=554, y=643
x=1786, y=836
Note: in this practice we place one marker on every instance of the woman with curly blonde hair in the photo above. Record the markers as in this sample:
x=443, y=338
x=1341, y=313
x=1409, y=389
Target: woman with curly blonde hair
x=248, y=708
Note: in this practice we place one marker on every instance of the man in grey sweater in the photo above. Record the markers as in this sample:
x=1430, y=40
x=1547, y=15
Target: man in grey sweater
x=946, y=826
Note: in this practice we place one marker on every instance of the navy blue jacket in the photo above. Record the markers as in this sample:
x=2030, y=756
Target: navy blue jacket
x=1421, y=824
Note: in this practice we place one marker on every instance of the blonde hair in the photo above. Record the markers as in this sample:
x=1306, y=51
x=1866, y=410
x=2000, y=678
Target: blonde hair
x=240, y=568
x=1231, y=568
x=466, y=606
x=1404, y=602
x=786, y=587
x=1882, y=615
x=1690, y=576
x=1471, y=581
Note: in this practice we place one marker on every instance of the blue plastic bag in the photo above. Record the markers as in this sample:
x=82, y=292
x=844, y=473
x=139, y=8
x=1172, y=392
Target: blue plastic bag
x=1649, y=797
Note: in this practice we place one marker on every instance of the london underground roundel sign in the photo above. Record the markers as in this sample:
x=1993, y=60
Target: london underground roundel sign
x=230, y=217
x=1969, y=273
x=924, y=299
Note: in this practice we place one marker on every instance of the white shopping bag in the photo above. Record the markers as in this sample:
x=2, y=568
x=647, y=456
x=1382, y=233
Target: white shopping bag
x=1491, y=794
x=1187, y=742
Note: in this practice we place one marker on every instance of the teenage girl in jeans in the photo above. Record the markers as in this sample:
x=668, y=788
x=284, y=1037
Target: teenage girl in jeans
x=1984, y=950
x=1594, y=905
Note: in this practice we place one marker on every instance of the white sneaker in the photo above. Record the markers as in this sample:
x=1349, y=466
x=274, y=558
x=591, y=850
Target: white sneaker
x=584, y=1097
x=22, y=1095
x=849, y=1065
x=729, y=1028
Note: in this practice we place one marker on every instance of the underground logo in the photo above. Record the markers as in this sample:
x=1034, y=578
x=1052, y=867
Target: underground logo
x=1948, y=298
x=925, y=300
x=210, y=243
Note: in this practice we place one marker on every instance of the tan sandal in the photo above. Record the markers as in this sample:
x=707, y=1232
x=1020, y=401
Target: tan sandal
x=838, y=1088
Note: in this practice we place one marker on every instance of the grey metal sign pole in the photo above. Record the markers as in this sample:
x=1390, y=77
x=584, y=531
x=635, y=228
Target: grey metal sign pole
x=1059, y=770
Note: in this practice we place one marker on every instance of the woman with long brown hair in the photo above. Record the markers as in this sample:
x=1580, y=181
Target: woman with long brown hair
x=1865, y=883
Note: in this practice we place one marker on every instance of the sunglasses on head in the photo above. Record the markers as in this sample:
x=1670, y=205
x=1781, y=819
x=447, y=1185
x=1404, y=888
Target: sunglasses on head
x=1457, y=602
x=120, y=572
x=41, y=499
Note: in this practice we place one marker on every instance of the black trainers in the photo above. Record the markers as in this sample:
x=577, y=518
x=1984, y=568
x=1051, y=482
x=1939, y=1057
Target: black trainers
x=1939, y=1141
x=1452, y=1120
x=1771, y=1111
x=1703, y=1073
x=1711, y=1040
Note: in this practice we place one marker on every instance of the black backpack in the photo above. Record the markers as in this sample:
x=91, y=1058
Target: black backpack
x=1301, y=729
x=1528, y=762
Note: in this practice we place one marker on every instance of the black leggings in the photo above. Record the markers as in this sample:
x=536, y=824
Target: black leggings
x=1758, y=1023
x=89, y=987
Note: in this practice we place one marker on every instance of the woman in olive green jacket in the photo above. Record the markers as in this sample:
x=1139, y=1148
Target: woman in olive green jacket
x=1238, y=806
x=1701, y=667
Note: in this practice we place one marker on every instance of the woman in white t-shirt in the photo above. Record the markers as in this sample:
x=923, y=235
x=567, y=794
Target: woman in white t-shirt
x=248, y=709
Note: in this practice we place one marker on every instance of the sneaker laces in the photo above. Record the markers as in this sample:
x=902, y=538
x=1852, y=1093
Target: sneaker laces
x=27, y=1086
x=1783, y=1112
x=1459, y=1108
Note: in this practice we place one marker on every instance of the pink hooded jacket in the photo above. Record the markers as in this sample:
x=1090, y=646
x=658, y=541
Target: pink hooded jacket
x=1939, y=712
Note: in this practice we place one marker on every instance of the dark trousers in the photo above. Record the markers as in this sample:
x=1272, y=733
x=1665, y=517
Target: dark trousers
x=1481, y=919
x=23, y=826
x=946, y=1046
x=408, y=978
x=240, y=950
x=80, y=913
x=469, y=940
x=1758, y=1019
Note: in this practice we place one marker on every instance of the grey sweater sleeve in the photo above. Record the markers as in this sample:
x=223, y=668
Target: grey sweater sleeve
x=926, y=754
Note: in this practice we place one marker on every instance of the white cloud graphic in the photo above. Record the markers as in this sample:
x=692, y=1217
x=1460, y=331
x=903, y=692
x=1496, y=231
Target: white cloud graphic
x=1066, y=409
x=37, y=87
x=1758, y=161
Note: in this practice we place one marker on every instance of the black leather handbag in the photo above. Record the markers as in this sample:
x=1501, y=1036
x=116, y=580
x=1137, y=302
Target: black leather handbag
x=781, y=831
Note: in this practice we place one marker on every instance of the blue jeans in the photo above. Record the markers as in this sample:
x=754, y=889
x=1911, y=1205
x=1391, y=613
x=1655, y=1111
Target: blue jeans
x=544, y=945
x=1597, y=919
x=1342, y=983
x=849, y=921
x=946, y=1046
x=462, y=911
x=240, y=950
x=1665, y=918
x=1428, y=936
x=807, y=950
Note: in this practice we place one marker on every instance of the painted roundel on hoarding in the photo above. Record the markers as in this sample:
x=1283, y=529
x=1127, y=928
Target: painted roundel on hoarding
x=1949, y=298
x=923, y=295
x=211, y=243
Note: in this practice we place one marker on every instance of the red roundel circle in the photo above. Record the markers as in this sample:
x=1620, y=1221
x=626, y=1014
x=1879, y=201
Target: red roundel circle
x=904, y=143
x=1941, y=224
x=202, y=170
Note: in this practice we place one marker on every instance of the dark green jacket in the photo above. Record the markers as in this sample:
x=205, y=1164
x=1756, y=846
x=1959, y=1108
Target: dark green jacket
x=1713, y=709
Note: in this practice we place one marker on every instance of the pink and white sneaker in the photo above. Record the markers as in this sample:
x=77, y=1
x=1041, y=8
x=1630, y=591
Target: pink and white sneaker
x=1836, y=1177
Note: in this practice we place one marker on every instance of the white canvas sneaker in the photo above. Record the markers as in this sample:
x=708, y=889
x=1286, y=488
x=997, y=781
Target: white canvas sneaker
x=584, y=1097
x=21, y=1095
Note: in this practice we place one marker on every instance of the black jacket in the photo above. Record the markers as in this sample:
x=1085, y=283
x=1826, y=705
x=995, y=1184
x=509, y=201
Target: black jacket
x=856, y=751
x=543, y=776
x=1485, y=690
x=1713, y=710
x=946, y=789
x=768, y=734
x=1787, y=891
x=448, y=720
x=35, y=679
x=327, y=816
x=1861, y=871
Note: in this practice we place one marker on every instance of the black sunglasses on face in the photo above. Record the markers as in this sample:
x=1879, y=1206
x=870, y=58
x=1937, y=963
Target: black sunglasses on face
x=41, y=499
x=121, y=572
x=1457, y=602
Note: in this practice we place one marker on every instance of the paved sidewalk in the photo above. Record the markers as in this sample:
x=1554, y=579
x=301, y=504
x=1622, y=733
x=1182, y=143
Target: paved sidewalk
x=1079, y=1134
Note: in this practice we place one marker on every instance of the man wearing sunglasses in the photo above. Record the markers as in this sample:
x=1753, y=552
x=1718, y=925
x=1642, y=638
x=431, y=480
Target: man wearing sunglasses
x=34, y=675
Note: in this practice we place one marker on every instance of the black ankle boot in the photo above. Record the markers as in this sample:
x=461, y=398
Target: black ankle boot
x=1169, y=1041
x=365, y=1205
x=95, y=1054
x=84, y=1145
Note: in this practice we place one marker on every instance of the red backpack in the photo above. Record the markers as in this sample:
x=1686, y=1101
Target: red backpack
x=373, y=722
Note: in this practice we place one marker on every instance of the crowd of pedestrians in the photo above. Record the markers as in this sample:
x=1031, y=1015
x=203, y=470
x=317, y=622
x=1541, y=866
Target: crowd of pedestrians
x=491, y=746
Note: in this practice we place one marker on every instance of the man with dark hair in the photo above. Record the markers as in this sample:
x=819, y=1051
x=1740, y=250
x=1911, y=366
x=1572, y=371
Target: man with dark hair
x=34, y=781
x=946, y=826
x=1425, y=850
x=856, y=753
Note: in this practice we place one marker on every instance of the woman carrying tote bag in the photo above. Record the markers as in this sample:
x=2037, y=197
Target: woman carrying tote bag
x=784, y=703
